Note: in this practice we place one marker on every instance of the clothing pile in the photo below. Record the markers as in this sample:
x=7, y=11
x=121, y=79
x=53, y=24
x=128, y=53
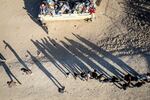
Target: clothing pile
x=58, y=7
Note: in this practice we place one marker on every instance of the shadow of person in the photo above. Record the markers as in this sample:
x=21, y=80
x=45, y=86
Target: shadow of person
x=9, y=73
x=108, y=55
x=75, y=63
x=47, y=73
x=147, y=57
x=41, y=47
x=32, y=8
x=59, y=56
x=85, y=59
x=97, y=58
x=25, y=69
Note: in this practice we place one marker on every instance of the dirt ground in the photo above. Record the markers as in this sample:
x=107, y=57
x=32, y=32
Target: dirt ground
x=117, y=42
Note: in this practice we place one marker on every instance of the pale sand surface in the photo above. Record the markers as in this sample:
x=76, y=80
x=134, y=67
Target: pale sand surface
x=17, y=29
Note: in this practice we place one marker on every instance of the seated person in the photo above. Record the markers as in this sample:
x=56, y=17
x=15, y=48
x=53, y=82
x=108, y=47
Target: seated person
x=43, y=8
x=50, y=2
x=65, y=8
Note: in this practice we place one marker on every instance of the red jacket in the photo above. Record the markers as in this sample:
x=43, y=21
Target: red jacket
x=91, y=10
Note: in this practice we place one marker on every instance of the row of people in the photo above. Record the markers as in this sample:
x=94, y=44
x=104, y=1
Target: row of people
x=127, y=80
x=50, y=7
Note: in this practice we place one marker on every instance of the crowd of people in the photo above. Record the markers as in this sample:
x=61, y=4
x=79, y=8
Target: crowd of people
x=58, y=7
x=126, y=81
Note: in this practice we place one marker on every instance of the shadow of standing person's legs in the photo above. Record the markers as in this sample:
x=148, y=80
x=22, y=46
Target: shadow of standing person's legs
x=108, y=55
x=7, y=70
x=25, y=69
x=46, y=72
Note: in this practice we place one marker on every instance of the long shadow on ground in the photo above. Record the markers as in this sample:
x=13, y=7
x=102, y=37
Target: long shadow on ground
x=7, y=45
x=7, y=70
x=74, y=57
x=108, y=55
x=32, y=8
x=45, y=71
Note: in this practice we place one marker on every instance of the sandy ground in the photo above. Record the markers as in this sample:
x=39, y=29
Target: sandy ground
x=61, y=49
